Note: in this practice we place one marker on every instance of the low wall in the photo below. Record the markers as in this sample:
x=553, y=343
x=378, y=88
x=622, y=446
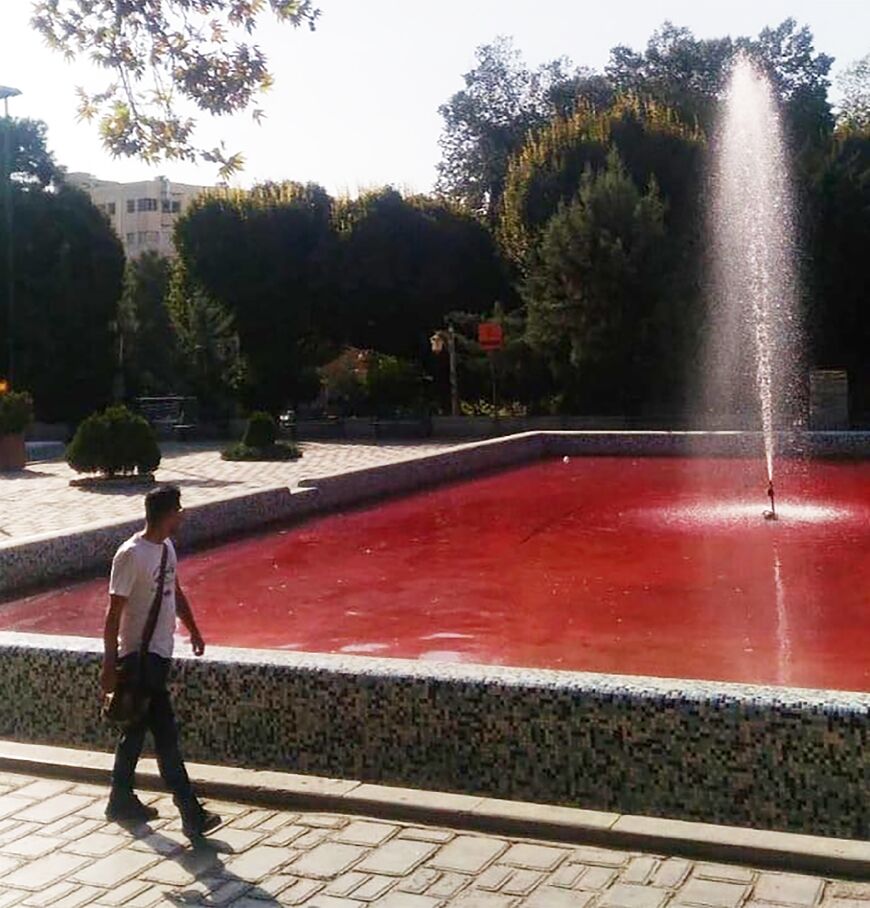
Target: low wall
x=763, y=757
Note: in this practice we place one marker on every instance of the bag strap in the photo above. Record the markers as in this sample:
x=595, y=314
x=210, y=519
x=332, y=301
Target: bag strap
x=151, y=623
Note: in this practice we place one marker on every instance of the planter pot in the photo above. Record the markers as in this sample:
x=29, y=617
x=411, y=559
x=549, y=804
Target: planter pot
x=13, y=454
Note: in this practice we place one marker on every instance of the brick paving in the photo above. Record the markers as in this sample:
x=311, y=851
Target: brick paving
x=56, y=849
x=40, y=499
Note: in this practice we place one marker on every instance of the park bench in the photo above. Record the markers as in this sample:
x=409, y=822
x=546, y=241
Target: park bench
x=169, y=415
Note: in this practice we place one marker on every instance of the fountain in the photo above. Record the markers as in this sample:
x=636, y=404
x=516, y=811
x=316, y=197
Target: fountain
x=756, y=326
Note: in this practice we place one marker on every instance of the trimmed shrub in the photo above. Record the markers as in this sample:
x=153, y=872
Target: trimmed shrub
x=261, y=432
x=260, y=442
x=113, y=442
x=16, y=412
x=282, y=450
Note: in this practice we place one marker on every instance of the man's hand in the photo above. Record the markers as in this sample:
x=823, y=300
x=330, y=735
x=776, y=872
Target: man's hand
x=197, y=643
x=185, y=613
x=108, y=678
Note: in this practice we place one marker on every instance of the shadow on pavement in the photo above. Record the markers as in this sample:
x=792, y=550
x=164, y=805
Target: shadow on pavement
x=205, y=861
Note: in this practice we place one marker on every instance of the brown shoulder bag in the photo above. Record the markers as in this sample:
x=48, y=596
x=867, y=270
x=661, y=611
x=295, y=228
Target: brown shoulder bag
x=128, y=704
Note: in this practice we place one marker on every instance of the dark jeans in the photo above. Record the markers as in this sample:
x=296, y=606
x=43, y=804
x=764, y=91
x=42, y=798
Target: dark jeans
x=160, y=721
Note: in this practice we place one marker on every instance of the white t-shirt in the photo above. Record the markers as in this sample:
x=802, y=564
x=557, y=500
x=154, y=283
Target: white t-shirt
x=135, y=574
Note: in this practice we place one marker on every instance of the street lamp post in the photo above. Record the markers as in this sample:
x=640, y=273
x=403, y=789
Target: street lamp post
x=437, y=340
x=6, y=93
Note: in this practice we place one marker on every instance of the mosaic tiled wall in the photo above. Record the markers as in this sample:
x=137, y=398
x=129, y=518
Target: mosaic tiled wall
x=721, y=753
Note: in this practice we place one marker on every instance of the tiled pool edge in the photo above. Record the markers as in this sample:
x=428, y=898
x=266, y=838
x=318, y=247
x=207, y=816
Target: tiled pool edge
x=772, y=758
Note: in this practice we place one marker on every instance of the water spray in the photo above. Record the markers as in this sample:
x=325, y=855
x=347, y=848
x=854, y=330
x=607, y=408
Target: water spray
x=771, y=514
x=754, y=255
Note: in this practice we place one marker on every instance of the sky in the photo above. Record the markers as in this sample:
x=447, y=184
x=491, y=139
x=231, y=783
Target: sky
x=355, y=104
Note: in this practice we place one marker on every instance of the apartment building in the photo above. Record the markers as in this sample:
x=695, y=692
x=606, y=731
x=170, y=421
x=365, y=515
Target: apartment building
x=143, y=214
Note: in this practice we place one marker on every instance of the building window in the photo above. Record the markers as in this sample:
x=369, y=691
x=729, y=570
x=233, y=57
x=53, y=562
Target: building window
x=166, y=206
x=131, y=206
x=146, y=205
x=131, y=239
x=176, y=207
x=110, y=208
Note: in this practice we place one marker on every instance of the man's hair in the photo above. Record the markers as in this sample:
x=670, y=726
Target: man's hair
x=161, y=502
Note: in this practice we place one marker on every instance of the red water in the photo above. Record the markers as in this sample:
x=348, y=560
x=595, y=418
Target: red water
x=647, y=567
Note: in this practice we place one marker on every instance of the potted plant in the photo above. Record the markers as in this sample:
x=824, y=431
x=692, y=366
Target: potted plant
x=16, y=414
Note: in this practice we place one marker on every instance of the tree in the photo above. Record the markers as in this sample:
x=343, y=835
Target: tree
x=150, y=345
x=263, y=255
x=839, y=317
x=687, y=73
x=208, y=364
x=800, y=76
x=585, y=88
x=404, y=263
x=652, y=141
x=395, y=387
x=676, y=69
x=33, y=165
x=488, y=120
x=854, y=85
x=68, y=271
x=163, y=56
x=595, y=287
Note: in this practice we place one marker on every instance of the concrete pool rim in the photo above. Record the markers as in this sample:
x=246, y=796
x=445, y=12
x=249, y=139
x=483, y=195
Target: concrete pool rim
x=616, y=685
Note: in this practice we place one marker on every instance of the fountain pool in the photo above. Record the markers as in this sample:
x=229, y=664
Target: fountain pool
x=633, y=566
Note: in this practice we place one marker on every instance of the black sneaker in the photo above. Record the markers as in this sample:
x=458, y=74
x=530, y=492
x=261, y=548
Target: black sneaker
x=197, y=821
x=129, y=809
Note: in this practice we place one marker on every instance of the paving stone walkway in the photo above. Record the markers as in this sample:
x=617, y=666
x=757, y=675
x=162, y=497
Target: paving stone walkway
x=40, y=499
x=56, y=849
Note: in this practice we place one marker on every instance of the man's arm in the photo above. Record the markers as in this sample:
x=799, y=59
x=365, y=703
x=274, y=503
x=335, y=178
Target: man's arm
x=185, y=613
x=109, y=676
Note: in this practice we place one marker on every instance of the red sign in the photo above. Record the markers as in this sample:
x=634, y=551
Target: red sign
x=490, y=335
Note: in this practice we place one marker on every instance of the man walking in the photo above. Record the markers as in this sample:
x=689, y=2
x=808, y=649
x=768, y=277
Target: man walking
x=144, y=567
